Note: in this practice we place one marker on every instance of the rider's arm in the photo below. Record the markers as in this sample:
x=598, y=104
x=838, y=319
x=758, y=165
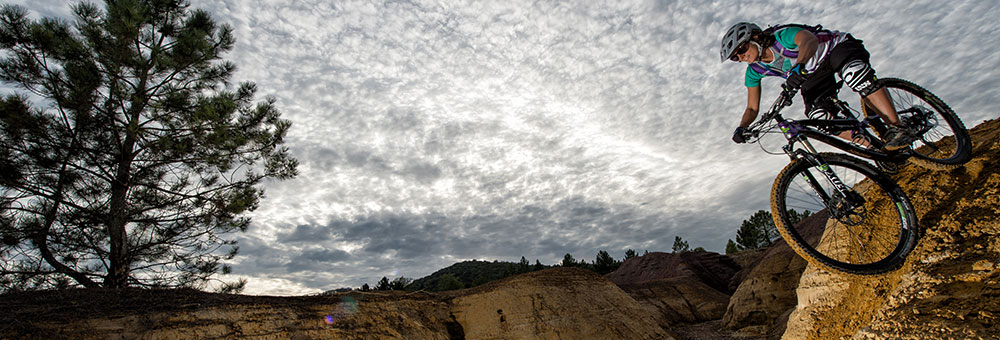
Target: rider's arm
x=753, y=106
x=808, y=43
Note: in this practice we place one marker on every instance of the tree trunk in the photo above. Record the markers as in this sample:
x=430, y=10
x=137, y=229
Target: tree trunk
x=118, y=256
x=119, y=252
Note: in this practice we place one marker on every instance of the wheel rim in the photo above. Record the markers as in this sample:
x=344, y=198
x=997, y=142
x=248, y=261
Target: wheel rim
x=937, y=140
x=867, y=237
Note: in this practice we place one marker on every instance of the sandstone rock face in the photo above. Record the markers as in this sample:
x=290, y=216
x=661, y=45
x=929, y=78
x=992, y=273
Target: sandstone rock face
x=713, y=269
x=564, y=303
x=766, y=291
x=949, y=287
x=678, y=288
x=561, y=303
x=747, y=260
x=173, y=314
x=679, y=300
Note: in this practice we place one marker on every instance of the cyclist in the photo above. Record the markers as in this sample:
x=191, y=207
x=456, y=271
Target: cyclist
x=807, y=57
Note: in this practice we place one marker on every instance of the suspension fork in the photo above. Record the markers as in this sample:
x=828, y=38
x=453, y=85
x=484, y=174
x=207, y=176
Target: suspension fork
x=811, y=155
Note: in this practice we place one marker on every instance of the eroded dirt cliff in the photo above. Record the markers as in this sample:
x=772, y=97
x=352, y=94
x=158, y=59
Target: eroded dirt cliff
x=688, y=287
x=564, y=303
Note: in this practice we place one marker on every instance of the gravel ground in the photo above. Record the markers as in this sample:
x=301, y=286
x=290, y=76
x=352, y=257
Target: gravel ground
x=711, y=330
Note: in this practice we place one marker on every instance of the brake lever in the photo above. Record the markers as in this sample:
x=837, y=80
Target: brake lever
x=787, y=93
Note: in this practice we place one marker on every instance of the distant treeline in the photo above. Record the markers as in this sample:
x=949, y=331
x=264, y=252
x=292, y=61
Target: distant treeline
x=755, y=233
x=473, y=273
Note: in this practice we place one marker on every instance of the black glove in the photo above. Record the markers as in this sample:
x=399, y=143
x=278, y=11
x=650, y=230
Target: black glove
x=797, y=76
x=738, y=135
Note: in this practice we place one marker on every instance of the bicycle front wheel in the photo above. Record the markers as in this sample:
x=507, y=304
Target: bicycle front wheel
x=867, y=229
x=944, y=141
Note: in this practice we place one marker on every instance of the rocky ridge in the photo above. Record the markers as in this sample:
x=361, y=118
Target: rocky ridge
x=689, y=287
x=560, y=303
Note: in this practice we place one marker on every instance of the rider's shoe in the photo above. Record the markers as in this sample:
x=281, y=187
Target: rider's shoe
x=898, y=137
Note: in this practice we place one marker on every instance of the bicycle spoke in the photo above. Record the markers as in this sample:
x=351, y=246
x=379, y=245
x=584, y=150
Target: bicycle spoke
x=855, y=234
x=936, y=147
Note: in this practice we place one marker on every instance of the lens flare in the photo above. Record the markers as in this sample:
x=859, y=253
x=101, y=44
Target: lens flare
x=345, y=309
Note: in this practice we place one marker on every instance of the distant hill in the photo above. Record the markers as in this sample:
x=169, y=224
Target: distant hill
x=470, y=274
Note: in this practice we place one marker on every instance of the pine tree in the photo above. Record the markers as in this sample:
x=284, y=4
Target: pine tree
x=680, y=245
x=141, y=157
x=524, y=266
x=630, y=254
x=757, y=232
x=732, y=248
x=605, y=263
x=760, y=232
x=400, y=283
x=569, y=261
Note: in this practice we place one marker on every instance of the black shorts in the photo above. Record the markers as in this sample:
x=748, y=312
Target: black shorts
x=821, y=83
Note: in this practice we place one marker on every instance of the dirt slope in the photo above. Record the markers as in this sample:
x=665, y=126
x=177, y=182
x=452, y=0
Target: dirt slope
x=688, y=287
x=561, y=303
x=190, y=314
x=949, y=288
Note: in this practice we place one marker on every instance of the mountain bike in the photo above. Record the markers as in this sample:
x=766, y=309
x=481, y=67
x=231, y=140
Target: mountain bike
x=870, y=225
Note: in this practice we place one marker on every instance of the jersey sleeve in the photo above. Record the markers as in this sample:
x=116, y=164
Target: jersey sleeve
x=786, y=37
x=752, y=77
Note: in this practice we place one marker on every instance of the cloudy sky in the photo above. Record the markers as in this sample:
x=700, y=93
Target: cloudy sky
x=433, y=132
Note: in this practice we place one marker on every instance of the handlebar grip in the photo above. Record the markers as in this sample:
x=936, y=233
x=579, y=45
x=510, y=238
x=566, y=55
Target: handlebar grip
x=788, y=90
x=787, y=94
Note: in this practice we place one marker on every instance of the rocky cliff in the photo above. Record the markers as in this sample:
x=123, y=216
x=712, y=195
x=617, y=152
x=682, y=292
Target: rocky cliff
x=950, y=286
x=562, y=303
x=689, y=287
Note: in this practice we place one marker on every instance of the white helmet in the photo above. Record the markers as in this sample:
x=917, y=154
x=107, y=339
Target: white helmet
x=735, y=36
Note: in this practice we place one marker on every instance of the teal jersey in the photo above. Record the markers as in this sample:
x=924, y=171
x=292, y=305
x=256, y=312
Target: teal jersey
x=785, y=37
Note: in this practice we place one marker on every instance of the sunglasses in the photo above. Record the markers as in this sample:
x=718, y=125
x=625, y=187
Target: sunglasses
x=740, y=50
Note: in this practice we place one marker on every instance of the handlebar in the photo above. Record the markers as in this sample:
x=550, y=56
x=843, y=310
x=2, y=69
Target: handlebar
x=784, y=100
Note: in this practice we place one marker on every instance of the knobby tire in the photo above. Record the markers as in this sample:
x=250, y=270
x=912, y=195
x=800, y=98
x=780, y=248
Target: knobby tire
x=949, y=135
x=877, y=247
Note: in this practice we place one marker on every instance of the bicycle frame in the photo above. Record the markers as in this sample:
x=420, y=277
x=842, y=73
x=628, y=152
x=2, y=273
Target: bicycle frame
x=804, y=129
x=842, y=200
x=873, y=225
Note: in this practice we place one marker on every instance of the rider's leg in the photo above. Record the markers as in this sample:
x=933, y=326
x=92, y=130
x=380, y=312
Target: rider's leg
x=880, y=101
x=822, y=84
x=848, y=135
x=860, y=77
x=851, y=60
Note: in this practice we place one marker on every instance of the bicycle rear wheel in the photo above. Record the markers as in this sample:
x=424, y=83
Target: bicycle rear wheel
x=868, y=230
x=944, y=141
